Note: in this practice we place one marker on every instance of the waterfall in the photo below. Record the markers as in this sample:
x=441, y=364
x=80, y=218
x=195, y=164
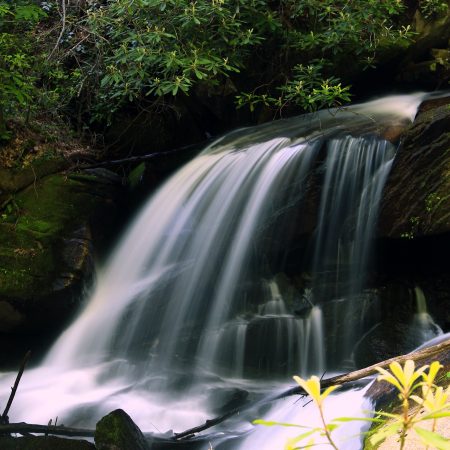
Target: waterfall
x=189, y=302
x=356, y=169
x=423, y=325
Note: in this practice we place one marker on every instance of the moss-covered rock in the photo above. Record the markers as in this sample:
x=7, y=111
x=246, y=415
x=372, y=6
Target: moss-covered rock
x=117, y=431
x=46, y=246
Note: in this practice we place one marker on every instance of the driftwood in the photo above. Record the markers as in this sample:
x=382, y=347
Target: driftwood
x=420, y=356
x=210, y=423
x=60, y=430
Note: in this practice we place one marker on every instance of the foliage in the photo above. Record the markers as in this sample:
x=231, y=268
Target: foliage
x=327, y=37
x=146, y=52
x=17, y=21
x=130, y=51
x=307, y=89
x=433, y=8
x=413, y=385
x=91, y=59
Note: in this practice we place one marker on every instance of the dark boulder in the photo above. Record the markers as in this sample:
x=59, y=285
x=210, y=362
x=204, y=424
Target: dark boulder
x=117, y=431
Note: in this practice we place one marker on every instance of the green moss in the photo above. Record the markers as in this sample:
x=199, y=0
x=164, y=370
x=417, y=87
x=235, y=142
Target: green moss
x=36, y=226
x=32, y=234
x=117, y=430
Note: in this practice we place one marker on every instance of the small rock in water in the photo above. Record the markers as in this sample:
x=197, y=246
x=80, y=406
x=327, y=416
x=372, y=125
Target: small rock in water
x=117, y=431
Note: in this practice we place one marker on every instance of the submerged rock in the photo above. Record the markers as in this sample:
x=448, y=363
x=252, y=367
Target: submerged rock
x=117, y=431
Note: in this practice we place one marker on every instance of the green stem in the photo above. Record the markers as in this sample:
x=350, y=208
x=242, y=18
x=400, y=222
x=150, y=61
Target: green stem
x=327, y=433
x=405, y=422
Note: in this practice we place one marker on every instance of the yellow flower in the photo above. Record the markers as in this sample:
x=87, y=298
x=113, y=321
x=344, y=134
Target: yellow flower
x=433, y=401
x=402, y=378
x=429, y=377
x=312, y=388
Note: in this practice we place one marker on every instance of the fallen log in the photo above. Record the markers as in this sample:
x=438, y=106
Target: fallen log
x=60, y=430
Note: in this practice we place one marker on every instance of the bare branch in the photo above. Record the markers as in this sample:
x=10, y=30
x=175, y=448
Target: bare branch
x=4, y=417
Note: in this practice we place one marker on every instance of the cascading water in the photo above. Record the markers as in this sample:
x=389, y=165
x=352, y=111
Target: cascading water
x=423, y=325
x=189, y=302
x=356, y=170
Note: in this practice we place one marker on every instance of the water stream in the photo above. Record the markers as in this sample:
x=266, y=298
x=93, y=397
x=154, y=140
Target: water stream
x=190, y=308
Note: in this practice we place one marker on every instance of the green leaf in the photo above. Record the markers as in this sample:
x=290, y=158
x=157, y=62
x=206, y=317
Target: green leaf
x=385, y=432
x=436, y=415
x=269, y=423
x=304, y=435
x=433, y=439
x=29, y=12
x=351, y=419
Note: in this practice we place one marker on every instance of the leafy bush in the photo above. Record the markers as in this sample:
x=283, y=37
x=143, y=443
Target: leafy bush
x=97, y=57
x=17, y=77
x=146, y=52
x=433, y=8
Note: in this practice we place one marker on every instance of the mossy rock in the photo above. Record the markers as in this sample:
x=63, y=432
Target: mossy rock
x=43, y=443
x=117, y=431
x=46, y=247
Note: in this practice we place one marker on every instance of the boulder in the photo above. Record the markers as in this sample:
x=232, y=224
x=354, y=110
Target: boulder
x=117, y=431
x=46, y=252
x=416, y=197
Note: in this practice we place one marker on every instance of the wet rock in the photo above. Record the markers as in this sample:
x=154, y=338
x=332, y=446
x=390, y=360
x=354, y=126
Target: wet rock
x=223, y=400
x=117, y=431
x=390, y=339
x=416, y=197
x=44, y=443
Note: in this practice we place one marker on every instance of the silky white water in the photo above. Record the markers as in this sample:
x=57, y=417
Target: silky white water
x=188, y=304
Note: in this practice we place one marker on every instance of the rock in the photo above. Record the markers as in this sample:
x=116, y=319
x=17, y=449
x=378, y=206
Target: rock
x=223, y=400
x=43, y=443
x=117, y=431
x=46, y=249
x=416, y=197
x=390, y=339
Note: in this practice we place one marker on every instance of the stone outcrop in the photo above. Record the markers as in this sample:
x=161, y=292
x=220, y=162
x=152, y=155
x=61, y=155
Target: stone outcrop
x=46, y=254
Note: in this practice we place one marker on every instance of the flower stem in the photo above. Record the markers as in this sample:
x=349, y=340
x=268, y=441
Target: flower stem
x=327, y=433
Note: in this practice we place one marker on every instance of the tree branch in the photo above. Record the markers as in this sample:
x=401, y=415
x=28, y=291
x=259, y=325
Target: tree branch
x=60, y=430
x=4, y=417
x=63, y=28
